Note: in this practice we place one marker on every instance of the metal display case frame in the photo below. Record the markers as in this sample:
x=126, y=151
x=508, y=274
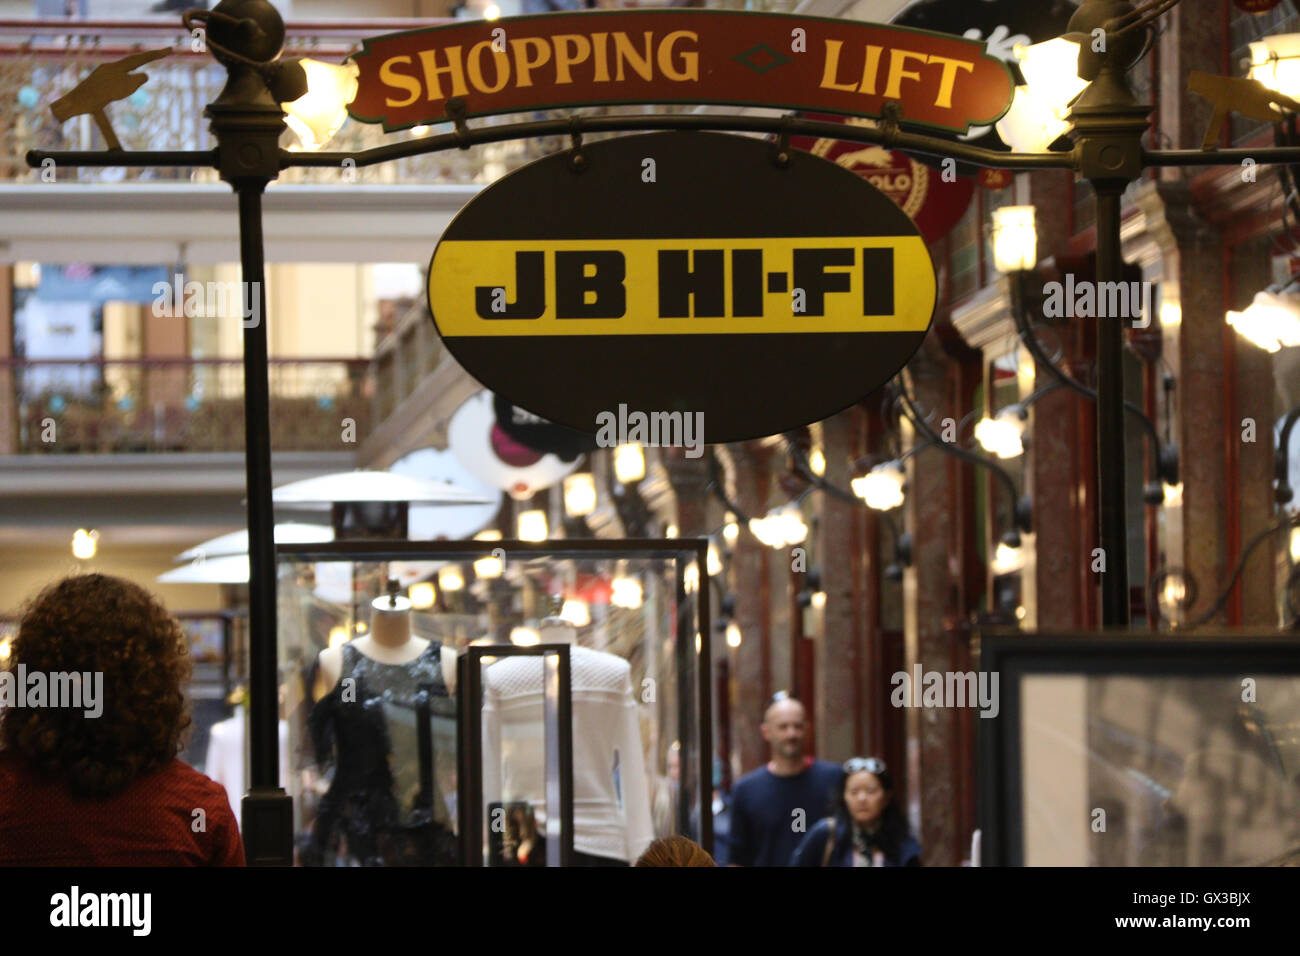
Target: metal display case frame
x=692, y=661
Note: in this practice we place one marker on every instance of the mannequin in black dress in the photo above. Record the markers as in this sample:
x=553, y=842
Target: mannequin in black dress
x=377, y=698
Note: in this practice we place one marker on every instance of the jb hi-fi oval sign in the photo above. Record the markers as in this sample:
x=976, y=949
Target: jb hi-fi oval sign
x=682, y=273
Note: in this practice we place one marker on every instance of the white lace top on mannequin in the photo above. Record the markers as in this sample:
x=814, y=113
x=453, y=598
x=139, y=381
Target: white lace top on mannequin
x=611, y=803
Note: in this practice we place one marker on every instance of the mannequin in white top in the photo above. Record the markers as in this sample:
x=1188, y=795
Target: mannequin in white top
x=611, y=801
x=226, y=758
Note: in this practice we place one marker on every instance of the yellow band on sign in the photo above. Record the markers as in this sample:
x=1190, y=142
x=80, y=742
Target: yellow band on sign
x=682, y=286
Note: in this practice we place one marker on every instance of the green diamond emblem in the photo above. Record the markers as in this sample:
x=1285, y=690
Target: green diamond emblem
x=761, y=58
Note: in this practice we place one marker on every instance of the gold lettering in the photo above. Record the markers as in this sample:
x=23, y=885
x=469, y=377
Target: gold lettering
x=833, y=67
x=566, y=58
x=627, y=53
x=898, y=71
x=433, y=72
x=474, y=66
x=390, y=77
x=690, y=59
x=870, y=70
x=602, y=68
x=523, y=65
x=950, y=68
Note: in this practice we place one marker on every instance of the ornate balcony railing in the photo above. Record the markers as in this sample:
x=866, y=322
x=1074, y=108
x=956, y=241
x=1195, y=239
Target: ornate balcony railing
x=41, y=59
x=175, y=405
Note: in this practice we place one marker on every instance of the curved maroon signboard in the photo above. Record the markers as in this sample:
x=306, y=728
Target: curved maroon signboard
x=678, y=56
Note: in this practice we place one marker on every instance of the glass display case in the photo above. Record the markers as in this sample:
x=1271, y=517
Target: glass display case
x=372, y=647
x=1141, y=751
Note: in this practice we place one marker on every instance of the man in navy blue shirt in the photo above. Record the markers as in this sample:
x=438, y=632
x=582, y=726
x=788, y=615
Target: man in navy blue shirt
x=773, y=807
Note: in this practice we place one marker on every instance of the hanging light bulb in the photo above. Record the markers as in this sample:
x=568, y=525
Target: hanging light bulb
x=733, y=634
x=1002, y=434
x=422, y=595
x=1039, y=110
x=338, y=636
x=882, y=487
x=1275, y=62
x=691, y=578
x=84, y=544
x=629, y=463
x=532, y=525
x=1295, y=545
x=1271, y=321
x=6, y=649
x=576, y=612
x=1008, y=559
x=579, y=494
x=1173, y=494
x=524, y=636
x=1015, y=239
x=626, y=592
x=670, y=531
x=731, y=530
x=450, y=578
x=817, y=462
x=488, y=566
x=793, y=528
x=714, y=560
x=766, y=530
x=819, y=599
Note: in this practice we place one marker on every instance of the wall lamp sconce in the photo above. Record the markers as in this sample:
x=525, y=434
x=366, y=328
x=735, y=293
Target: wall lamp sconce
x=1164, y=457
x=1021, y=505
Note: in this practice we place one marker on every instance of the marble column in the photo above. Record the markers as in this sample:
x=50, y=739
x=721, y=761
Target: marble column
x=751, y=666
x=933, y=738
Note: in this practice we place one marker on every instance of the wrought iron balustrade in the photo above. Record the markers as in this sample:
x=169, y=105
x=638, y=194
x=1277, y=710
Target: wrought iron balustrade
x=64, y=406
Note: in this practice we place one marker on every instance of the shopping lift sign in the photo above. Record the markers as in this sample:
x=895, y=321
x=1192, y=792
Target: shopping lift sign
x=683, y=273
x=679, y=56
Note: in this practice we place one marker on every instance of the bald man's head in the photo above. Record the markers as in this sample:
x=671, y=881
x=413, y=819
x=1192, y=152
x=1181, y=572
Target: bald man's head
x=785, y=726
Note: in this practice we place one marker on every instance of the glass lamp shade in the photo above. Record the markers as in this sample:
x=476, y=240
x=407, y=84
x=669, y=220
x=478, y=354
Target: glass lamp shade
x=1275, y=62
x=1272, y=321
x=1039, y=110
x=882, y=487
x=317, y=114
x=1001, y=435
x=629, y=463
x=1015, y=239
x=580, y=494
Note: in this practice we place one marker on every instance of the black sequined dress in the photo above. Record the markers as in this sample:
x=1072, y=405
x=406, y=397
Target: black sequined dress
x=389, y=732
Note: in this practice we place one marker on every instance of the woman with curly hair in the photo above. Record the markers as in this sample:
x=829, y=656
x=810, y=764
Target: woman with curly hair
x=102, y=786
x=866, y=826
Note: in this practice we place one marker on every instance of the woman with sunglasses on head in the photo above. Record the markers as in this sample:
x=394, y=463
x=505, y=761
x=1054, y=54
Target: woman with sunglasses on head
x=866, y=826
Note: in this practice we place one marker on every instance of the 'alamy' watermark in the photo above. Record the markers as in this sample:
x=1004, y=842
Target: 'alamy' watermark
x=72, y=690
x=74, y=908
x=1098, y=300
x=946, y=689
x=653, y=429
x=194, y=299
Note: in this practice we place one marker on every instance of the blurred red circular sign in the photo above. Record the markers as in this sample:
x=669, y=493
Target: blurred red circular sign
x=934, y=204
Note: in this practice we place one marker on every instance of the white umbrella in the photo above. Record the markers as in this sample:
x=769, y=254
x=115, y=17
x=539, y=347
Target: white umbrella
x=290, y=532
x=230, y=569
x=429, y=523
x=324, y=490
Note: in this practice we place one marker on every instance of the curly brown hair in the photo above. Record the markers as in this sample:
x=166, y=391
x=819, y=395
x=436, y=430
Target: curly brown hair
x=101, y=624
x=675, y=851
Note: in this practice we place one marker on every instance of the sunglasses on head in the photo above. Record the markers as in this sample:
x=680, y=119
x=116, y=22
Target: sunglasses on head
x=869, y=764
